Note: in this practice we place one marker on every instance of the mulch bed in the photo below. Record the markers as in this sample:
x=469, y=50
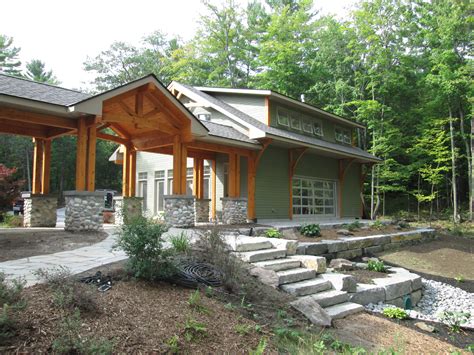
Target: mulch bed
x=17, y=244
x=365, y=276
x=331, y=234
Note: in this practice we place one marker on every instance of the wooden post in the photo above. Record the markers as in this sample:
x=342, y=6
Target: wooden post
x=251, y=174
x=125, y=171
x=200, y=182
x=81, y=155
x=214, y=190
x=45, y=176
x=132, y=178
x=176, y=166
x=184, y=165
x=237, y=176
x=91, y=153
x=37, y=165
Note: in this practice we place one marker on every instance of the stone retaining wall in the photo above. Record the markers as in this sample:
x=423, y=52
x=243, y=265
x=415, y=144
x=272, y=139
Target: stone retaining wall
x=353, y=247
x=84, y=210
x=179, y=210
x=39, y=210
x=202, y=208
x=127, y=207
x=234, y=210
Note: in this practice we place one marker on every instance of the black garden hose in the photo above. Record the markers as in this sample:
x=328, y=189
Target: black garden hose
x=192, y=274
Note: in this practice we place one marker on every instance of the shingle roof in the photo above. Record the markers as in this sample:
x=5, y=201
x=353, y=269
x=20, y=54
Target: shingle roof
x=223, y=131
x=280, y=132
x=32, y=90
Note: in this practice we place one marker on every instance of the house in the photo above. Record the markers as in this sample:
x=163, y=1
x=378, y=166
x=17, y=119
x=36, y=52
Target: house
x=309, y=164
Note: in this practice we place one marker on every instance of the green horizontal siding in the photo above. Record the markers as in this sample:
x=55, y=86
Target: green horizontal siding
x=317, y=166
x=272, y=184
x=351, y=204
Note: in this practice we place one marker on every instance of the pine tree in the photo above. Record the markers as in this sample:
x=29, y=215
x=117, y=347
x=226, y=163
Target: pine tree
x=9, y=63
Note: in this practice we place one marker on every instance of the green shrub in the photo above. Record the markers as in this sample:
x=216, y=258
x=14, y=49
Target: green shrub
x=375, y=265
x=273, y=233
x=454, y=319
x=180, y=242
x=310, y=230
x=11, y=221
x=11, y=300
x=403, y=225
x=142, y=240
x=194, y=329
x=354, y=226
x=377, y=225
x=395, y=313
x=195, y=302
x=173, y=344
x=260, y=349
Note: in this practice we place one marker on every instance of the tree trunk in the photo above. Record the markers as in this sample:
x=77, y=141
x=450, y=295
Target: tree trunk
x=467, y=145
x=372, y=187
x=453, y=169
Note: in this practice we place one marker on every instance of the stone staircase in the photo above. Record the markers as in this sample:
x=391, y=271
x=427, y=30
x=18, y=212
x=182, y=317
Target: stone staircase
x=294, y=277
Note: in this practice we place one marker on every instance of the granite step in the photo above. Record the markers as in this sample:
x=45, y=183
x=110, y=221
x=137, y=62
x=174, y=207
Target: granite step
x=330, y=298
x=342, y=310
x=295, y=275
x=253, y=246
x=307, y=287
x=279, y=264
x=261, y=255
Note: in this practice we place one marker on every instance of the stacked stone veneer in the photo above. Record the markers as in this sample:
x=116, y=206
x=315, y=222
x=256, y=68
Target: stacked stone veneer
x=179, y=210
x=234, y=210
x=84, y=210
x=127, y=207
x=39, y=210
x=353, y=247
x=202, y=207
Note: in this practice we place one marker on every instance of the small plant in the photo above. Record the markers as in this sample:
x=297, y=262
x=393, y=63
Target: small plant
x=7, y=324
x=470, y=348
x=209, y=292
x=180, y=243
x=195, y=302
x=10, y=292
x=243, y=329
x=354, y=226
x=395, y=313
x=460, y=279
x=454, y=320
x=403, y=225
x=376, y=265
x=229, y=306
x=12, y=221
x=173, y=344
x=377, y=225
x=142, y=240
x=273, y=233
x=311, y=230
x=194, y=329
x=260, y=349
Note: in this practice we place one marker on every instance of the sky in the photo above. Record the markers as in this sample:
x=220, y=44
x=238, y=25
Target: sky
x=63, y=33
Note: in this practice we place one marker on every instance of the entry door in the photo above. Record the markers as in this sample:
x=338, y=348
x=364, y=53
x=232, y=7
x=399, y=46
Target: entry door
x=314, y=197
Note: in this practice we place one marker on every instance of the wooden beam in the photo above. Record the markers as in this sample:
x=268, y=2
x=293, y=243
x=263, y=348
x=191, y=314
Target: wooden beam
x=200, y=180
x=253, y=160
x=121, y=97
x=125, y=170
x=214, y=190
x=46, y=169
x=158, y=104
x=91, y=155
x=37, y=118
x=233, y=180
x=81, y=155
x=183, y=171
x=152, y=142
x=112, y=138
x=55, y=132
x=22, y=129
x=37, y=165
x=119, y=130
x=133, y=172
x=126, y=109
x=219, y=148
x=139, y=104
x=195, y=176
x=294, y=156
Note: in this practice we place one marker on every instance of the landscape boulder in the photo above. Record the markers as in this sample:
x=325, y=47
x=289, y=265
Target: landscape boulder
x=341, y=264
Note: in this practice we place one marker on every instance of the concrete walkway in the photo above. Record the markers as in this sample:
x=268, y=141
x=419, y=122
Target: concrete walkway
x=77, y=260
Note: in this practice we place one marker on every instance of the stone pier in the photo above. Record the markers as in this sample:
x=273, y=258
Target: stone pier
x=202, y=210
x=234, y=210
x=39, y=210
x=179, y=210
x=127, y=207
x=84, y=210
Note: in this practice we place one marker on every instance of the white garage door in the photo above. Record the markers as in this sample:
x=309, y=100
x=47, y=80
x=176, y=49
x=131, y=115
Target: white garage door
x=314, y=197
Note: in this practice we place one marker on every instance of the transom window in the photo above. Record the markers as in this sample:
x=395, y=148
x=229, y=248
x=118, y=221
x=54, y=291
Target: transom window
x=307, y=127
x=296, y=123
x=314, y=197
x=283, y=118
x=343, y=135
x=318, y=128
x=142, y=176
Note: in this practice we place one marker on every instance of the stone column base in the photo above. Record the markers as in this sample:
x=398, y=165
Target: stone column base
x=202, y=208
x=39, y=210
x=179, y=211
x=234, y=210
x=84, y=210
x=127, y=207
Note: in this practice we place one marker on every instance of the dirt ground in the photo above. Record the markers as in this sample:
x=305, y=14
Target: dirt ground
x=374, y=333
x=365, y=276
x=331, y=234
x=445, y=258
x=23, y=243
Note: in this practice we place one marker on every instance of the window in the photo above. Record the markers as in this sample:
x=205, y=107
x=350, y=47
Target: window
x=159, y=190
x=314, y=197
x=343, y=135
x=189, y=181
x=283, y=118
x=204, y=116
x=307, y=127
x=318, y=128
x=142, y=188
x=170, y=182
x=296, y=123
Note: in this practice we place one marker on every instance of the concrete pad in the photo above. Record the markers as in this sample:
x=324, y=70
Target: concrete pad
x=307, y=287
x=313, y=311
x=295, y=275
x=394, y=286
x=366, y=294
x=341, y=282
x=316, y=263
